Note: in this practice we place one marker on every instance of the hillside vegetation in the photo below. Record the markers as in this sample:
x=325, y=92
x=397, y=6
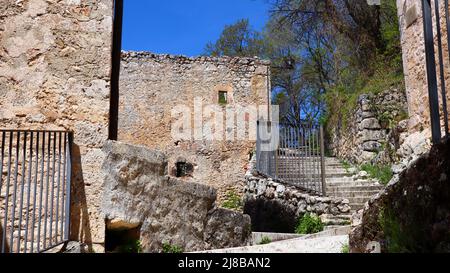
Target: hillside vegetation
x=324, y=54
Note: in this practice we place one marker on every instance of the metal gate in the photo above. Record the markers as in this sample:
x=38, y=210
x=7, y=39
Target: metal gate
x=432, y=76
x=35, y=171
x=293, y=155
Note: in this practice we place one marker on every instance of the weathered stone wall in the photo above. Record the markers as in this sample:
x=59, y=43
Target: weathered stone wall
x=54, y=74
x=276, y=207
x=372, y=133
x=414, y=63
x=152, y=85
x=138, y=193
x=413, y=213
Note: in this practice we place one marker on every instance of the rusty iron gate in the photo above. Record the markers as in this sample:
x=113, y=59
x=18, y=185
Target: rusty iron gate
x=430, y=54
x=35, y=171
x=292, y=154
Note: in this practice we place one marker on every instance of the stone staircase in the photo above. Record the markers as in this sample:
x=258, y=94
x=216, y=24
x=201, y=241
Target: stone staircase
x=340, y=183
x=358, y=189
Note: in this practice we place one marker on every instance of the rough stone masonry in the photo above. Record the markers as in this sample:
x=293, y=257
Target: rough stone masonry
x=152, y=85
x=55, y=74
x=372, y=133
x=139, y=194
x=414, y=64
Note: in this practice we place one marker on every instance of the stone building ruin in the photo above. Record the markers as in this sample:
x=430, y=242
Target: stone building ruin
x=151, y=86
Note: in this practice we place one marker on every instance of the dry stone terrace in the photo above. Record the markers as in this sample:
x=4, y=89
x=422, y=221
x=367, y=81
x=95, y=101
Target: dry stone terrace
x=369, y=135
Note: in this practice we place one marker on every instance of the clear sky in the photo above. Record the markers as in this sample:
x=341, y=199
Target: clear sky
x=184, y=26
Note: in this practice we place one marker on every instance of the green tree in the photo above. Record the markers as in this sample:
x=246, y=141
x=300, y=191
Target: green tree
x=238, y=39
x=324, y=53
x=347, y=48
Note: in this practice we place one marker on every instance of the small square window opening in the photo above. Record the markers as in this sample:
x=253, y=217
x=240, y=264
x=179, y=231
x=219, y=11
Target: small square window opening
x=223, y=97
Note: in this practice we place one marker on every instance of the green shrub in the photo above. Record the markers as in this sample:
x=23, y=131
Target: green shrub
x=265, y=240
x=381, y=172
x=345, y=249
x=398, y=240
x=168, y=248
x=131, y=246
x=309, y=224
x=346, y=165
x=233, y=201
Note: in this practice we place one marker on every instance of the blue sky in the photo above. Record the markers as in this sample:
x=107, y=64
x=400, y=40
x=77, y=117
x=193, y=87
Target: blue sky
x=184, y=26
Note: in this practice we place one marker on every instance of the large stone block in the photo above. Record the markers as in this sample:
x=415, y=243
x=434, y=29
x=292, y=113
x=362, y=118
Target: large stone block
x=370, y=123
x=371, y=146
x=138, y=193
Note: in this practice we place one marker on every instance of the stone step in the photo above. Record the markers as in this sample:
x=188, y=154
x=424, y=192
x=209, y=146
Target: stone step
x=327, y=175
x=331, y=227
x=301, y=168
x=306, y=165
x=347, y=194
x=356, y=206
x=335, y=220
x=333, y=184
x=333, y=161
x=349, y=188
x=358, y=200
x=347, y=179
x=339, y=216
x=334, y=164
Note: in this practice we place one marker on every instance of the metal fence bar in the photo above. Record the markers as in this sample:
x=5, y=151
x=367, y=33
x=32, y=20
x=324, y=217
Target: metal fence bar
x=8, y=180
x=36, y=187
x=1, y=184
x=322, y=160
x=447, y=23
x=16, y=173
x=33, y=222
x=68, y=184
x=41, y=191
x=28, y=190
x=302, y=159
x=22, y=187
x=52, y=195
x=316, y=165
x=441, y=65
x=299, y=161
x=58, y=184
x=63, y=186
x=318, y=162
x=308, y=157
x=277, y=154
x=289, y=154
x=283, y=149
x=433, y=93
x=47, y=186
x=319, y=158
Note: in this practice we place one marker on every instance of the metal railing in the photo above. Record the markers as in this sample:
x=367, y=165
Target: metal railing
x=432, y=77
x=35, y=171
x=297, y=158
